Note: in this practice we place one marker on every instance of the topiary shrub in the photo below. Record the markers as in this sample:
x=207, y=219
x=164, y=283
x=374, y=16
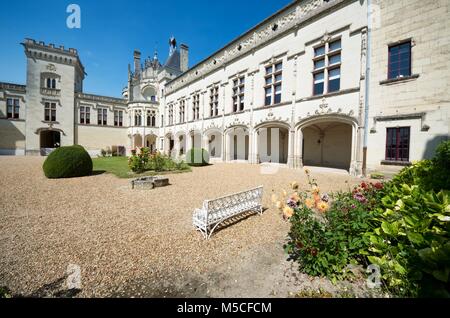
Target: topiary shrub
x=68, y=162
x=197, y=157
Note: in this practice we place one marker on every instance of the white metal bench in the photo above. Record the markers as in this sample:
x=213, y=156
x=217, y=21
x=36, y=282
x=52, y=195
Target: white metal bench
x=215, y=212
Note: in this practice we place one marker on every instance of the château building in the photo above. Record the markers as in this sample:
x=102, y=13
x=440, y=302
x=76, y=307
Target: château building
x=351, y=84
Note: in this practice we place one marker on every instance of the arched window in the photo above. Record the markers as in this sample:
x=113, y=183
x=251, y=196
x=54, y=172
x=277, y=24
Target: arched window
x=49, y=83
x=53, y=83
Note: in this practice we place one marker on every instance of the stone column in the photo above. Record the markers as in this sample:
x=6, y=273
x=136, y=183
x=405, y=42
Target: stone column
x=188, y=141
x=227, y=147
x=255, y=155
x=298, y=157
x=291, y=148
x=205, y=142
x=354, y=149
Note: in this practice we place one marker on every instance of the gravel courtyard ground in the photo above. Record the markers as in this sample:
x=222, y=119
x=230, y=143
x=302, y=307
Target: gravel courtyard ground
x=141, y=243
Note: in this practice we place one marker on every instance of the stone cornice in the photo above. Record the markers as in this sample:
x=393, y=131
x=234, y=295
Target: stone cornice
x=276, y=25
x=98, y=98
x=13, y=87
x=30, y=44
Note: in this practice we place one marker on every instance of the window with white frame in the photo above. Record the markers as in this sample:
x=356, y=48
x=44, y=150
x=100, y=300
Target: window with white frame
x=12, y=108
x=273, y=83
x=170, y=114
x=327, y=68
x=50, y=111
x=214, y=101
x=85, y=115
x=138, y=118
x=238, y=94
x=182, y=111
x=196, y=107
x=102, y=116
x=50, y=83
x=151, y=118
x=118, y=118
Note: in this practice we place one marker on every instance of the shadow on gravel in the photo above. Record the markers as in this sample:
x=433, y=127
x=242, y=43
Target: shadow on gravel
x=55, y=289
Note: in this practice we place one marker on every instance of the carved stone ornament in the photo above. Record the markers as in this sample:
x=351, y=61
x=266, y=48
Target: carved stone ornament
x=51, y=67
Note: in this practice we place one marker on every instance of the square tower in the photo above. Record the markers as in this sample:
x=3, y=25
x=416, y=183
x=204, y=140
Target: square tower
x=54, y=75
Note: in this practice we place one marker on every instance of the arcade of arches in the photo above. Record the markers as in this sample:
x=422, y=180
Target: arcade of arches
x=325, y=143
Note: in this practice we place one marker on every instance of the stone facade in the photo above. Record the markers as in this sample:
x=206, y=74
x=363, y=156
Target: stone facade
x=291, y=90
x=421, y=101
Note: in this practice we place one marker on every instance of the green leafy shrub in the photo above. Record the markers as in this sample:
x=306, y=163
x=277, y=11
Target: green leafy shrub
x=68, y=162
x=143, y=161
x=157, y=161
x=410, y=239
x=137, y=162
x=197, y=157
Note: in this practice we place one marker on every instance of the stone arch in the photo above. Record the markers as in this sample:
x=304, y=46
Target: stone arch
x=214, y=142
x=327, y=141
x=272, y=141
x=150, y=141
x=237, y=143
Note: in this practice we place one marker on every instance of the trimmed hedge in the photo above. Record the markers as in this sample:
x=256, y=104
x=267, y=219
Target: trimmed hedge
x=197, y=157
x=68, y=162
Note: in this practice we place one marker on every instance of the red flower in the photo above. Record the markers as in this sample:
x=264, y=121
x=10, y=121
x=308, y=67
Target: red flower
x=300, y=245
x=364, y=185
x=378, y=186
x=314, y=252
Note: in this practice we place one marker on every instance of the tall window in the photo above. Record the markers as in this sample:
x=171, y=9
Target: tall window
x=399, y=60
x=118, y=118
x=170, y=114
x=102, y=116
x=137, y=118
x=327, y=68
x=85, y=115
x=238, y=94
x=51, y=83
x=50, y=111
x=182, y=111
x=13, y=108
x=196, y=106
x=151, y=118
x=274, y=77
x=397, y=144
x=214, y=101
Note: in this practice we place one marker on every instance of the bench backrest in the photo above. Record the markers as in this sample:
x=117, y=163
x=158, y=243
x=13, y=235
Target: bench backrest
x=223, y=203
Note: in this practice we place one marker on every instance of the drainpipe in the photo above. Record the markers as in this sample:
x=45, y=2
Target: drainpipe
x=367, y=87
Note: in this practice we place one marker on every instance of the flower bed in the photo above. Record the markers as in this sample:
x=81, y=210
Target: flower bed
x=401, y=226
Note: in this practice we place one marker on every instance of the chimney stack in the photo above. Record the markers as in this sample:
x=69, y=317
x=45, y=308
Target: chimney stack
x=184, y=57
x=137, y=62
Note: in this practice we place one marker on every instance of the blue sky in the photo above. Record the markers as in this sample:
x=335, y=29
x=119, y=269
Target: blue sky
x=111, y=30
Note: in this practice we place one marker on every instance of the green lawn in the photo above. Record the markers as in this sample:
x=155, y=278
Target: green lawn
x=119, y=167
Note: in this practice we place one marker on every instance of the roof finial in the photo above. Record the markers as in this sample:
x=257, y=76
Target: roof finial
x=172, y=45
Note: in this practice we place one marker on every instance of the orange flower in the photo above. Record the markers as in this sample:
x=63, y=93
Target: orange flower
x=316, y=198
x=323, y=206
x=288, y=212
x=309, y=203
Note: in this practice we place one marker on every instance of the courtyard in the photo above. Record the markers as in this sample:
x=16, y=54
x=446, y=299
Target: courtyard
x=142, y=243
